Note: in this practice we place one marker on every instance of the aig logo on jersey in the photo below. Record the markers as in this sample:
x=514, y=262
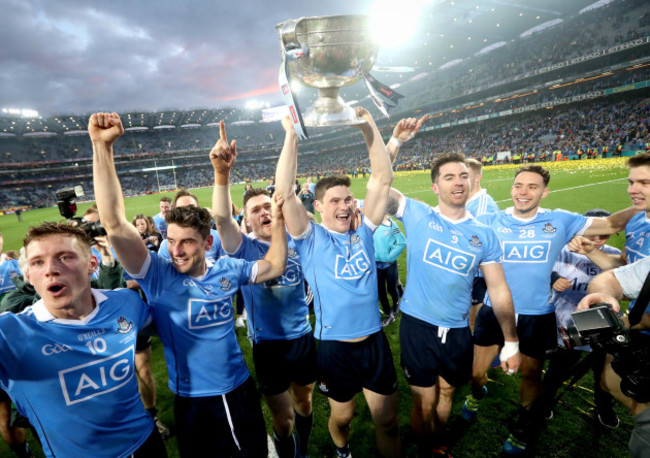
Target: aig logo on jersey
x=89, y=380
x=204, y=313
x=352, y=268
x=448, y=258
x=526, y=251
x=290, y=277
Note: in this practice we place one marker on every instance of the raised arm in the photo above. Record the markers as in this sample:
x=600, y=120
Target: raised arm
x=285, y=180
x=275, y=261
x=104, y=129
x=223, y=156
x=381, y=175
x=504, y=310
x=604, y=261
x=404, y=130
x=611, y=224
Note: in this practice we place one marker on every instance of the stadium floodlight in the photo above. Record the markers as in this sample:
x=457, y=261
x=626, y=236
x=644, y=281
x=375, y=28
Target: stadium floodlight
x=393, y=27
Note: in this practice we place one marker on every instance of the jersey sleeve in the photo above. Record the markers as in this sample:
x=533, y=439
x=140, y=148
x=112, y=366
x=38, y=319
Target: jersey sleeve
x=576, y=224
x=493, y=253
x=632, y=276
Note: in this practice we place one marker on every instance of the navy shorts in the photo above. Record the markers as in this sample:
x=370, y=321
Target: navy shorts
x=142, y=342
x=537, y=333
x=280, y=362
x=345, y=368
x=228, y=425
x=429, y=351
x=479, y=288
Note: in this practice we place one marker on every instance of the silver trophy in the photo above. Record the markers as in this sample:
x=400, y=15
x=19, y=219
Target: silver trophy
x=327, y=53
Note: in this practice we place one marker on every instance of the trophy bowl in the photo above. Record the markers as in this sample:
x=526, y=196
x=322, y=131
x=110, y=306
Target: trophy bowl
x=327, y=53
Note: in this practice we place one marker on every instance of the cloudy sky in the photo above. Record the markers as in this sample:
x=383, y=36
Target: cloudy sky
x=77, y=56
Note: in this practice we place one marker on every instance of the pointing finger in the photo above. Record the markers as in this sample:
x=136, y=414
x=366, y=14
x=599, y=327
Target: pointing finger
x=222, y=131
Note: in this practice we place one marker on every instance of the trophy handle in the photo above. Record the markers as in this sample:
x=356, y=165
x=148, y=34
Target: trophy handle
x=289, y=39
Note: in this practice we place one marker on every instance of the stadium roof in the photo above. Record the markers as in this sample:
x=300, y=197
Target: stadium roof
x=448, y=31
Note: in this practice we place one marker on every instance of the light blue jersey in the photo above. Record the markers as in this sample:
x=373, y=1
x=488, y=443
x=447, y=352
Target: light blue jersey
x=389, y=243
x=637, y=242
x=530, y=248
x=212, y=255
x=481, y=203
x=442, y=259
x=637, y=238
x=8, y=271
x=276, y=309
x=194, y=317
x=579, y=270
x=75, y=379
x=161, y=224
x=340, y=268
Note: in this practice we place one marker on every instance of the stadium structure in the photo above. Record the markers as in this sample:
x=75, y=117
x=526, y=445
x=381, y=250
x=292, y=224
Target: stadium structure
x=493, y=78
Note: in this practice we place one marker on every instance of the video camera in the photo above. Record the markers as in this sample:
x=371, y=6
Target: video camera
x=68, y=208
x=600, y=327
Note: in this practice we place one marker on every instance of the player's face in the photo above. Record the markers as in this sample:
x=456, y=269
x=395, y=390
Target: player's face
x=527, y=192
x=141, y=225
x=60, y=267
x=164, y=208
x=452, y=185
x=639, y=187
x=187, y=249
x=258, y=216
x=336, y=209
x=599, y=240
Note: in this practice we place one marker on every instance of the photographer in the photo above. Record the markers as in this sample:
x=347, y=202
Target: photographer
x=610, y=287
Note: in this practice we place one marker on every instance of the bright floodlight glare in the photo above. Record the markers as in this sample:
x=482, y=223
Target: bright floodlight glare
x=296, y=86
x=394, y=26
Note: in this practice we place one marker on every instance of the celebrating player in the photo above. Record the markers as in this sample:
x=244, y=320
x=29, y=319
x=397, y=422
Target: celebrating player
x=447, y=246
x=216, y=406
x=337, y=258
x=284, y=351
x=532, y=237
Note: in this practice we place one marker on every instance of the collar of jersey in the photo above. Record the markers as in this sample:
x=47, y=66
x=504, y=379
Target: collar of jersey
x=42, y=314
x=478, y=194
x=466, y=217
x=208, y=264
x=510, y=211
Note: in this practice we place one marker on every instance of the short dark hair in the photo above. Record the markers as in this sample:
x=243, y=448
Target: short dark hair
x=254, y=192
x=61, y=228
x=197, y=218
x=638, y=160
x=330, y=182
x=534, y=168
x=166, y=199
x=443, y=159
x=184, y=193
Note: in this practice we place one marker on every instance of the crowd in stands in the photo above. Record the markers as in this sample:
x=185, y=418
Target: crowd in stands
x=579, y=127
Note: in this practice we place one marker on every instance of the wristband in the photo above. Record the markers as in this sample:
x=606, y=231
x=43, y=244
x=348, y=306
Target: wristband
x=396, y=141
x=509, y=350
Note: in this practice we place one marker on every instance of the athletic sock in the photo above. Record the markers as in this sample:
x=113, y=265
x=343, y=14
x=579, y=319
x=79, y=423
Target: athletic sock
x=285, y=446
x=22, y=450
x=477, y=392
x=343, y=452
x=303, y=426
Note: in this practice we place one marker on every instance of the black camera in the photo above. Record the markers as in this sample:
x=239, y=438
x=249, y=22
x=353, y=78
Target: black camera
x=597, y=326
x=601, y=328
x=68, y=208
x=93, y=230
x=66, y=201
